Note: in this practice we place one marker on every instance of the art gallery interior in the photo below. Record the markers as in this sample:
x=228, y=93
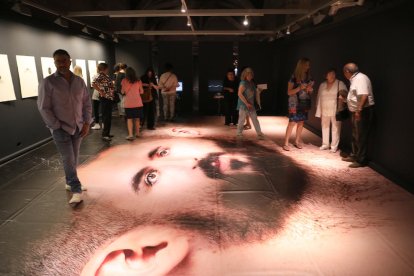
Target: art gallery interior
x=220, y=205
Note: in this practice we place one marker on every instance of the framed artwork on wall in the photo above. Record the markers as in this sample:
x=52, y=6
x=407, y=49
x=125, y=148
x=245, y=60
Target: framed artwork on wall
x=6, y=83
x=82, y=64
x=48, y=66
x=92, y=69
x=29, y=82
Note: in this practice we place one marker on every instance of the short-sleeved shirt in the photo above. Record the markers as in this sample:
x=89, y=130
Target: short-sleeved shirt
x=106, y=85
x=248, y=93
x=360, y=85
x=132, y=93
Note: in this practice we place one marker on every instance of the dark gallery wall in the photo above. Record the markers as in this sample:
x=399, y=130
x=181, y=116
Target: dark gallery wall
x=21, y=125
x=257, y=55
x=179, y=54
x=381, y=43
x=214, y=60
x=135, y=54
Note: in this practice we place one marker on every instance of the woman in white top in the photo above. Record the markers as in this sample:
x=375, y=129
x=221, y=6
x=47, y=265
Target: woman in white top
x=327, y=105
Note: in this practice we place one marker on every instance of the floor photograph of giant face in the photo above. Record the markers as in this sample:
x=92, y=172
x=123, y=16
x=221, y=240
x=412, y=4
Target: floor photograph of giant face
x=190, y=198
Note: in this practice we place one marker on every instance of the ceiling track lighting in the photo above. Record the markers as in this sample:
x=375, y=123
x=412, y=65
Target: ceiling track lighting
x=288, y=30
x=183, y=9
x=245, y=21
x=188, y=22
x=62, y=22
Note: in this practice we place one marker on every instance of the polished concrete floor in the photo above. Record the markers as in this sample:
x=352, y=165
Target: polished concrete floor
x=191, y=199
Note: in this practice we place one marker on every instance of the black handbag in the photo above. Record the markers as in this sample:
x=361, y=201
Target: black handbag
x=342, y=115
x=117, y=98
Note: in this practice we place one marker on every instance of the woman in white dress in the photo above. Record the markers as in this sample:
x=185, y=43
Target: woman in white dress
x=327, y=105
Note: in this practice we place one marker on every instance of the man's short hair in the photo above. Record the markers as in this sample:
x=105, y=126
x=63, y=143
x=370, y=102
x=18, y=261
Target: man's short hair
x=102, y=67
x=351, y=68
x=61, y=52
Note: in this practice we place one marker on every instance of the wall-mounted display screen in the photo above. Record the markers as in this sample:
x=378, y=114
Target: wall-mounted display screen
x=180, y=87
x=215, y=86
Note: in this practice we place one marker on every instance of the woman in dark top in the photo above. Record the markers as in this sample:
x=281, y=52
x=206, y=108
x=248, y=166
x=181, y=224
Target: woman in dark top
x=149, y=82
x=230, y=88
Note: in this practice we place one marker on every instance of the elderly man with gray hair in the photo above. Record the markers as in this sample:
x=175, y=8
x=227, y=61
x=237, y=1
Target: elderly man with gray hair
x=360, y=102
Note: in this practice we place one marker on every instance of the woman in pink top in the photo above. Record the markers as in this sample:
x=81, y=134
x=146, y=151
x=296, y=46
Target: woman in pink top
x=132, y=89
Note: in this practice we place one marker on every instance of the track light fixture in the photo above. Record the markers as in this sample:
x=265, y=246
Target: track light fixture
x=188, y=22
x=288, y=30
x=183, y=9
x=245, y=21
x=62, y=22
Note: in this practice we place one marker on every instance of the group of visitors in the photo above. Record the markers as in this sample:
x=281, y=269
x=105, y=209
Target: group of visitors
x=332, y=99
x=71, y=122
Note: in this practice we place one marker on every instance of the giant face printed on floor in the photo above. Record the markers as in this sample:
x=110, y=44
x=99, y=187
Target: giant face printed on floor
x=173, y=207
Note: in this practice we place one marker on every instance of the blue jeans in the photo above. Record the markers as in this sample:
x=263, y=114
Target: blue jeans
x=68, y=147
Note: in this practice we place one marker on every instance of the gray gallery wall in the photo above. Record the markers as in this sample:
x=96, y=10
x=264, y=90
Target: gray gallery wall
x=20, y=122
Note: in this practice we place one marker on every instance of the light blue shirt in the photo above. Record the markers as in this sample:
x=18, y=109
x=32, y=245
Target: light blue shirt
x=64, y=104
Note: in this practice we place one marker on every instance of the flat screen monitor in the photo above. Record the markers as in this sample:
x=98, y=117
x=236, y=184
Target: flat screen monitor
x=215, y=86
x=180, y=87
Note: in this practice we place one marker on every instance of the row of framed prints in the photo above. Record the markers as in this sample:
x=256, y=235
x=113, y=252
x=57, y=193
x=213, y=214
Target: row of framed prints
x=26, y=66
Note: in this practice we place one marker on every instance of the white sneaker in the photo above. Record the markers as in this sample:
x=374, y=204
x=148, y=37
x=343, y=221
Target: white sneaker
x=76, y=198
x=82, y=187
x=324, y=147
x=96, y=127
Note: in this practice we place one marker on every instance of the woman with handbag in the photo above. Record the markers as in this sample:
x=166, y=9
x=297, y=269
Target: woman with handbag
x=328, y=103
x=300, y=86
x=132, y=89
x=149, y=83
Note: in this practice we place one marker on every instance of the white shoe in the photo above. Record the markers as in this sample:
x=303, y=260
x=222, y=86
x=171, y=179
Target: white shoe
x=96, y=127
x=324, y=147
x=69, y=189
x=76, y=198
x=333, y=150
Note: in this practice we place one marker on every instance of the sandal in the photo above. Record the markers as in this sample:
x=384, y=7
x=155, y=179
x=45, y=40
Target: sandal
x=286, y=148
x=246, y=127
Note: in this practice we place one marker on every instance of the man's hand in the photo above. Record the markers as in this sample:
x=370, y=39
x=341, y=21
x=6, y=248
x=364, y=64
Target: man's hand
x=84, y=130
x=357, y=116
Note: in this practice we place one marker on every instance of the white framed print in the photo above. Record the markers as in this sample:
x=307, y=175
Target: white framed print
x=6, y=82
x=48, y=66
x=26, y=65
x=92, y=69
x=82, y=64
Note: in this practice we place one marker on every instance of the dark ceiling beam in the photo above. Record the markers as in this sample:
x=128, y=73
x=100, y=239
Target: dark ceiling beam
x=209, y=32
x=174, y=13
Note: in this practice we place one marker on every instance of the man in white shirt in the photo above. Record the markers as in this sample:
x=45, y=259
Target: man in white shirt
x=360, y=103
x=168, y=84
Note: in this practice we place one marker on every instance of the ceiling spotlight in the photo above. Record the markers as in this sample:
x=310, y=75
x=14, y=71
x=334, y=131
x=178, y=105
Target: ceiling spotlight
x=245, y=21
x=86, y=30
x=183, y=10
x=189, y=22
x=25, y=10
x=62, y=22
x=115, y=39
x=288, y=30
x=102, y=35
